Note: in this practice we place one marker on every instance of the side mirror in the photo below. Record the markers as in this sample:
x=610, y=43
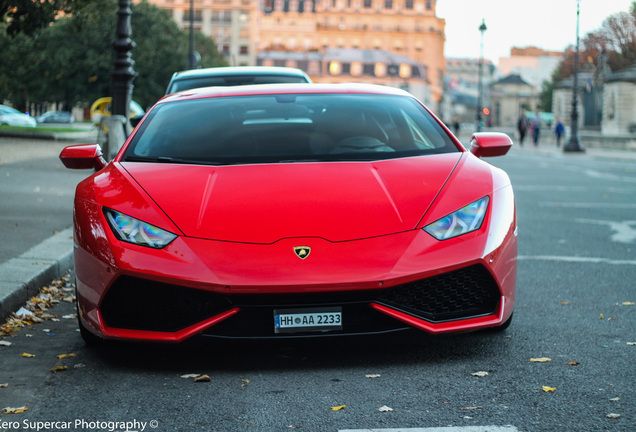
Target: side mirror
x=83, y=156
x=489, y=144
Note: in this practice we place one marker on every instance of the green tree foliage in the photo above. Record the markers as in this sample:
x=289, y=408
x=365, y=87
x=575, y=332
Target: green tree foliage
x=70, y=61
x=29, y=16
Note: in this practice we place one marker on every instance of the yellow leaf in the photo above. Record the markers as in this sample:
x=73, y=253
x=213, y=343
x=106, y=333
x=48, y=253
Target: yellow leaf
x=202, y=378
x=27, y=355
x=9, y=410
x=629, y=304
x=540, y=360
x=573, y=363
x=601, y=316
x=63, y=356
x=337, y=408
x=245, y=380
x=58, y=369
x=548, y=389
x=564, y=303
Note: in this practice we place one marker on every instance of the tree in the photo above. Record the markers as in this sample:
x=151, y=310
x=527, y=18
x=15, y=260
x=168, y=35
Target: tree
x=30, y=16
x=70, y=61
x=153, y=28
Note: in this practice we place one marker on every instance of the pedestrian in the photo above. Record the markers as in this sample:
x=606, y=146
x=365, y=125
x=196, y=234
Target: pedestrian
x=522, y=126
x=536, y=128
x=559, y=131
x=456, y=127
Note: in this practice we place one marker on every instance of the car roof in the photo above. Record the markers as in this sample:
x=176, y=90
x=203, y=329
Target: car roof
x=239, y=70
x=268, y=89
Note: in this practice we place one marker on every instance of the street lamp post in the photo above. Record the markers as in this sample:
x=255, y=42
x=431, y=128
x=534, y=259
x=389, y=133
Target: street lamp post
x=123, y=72
x=191, y=58
x=574, y=144
x=482, y=29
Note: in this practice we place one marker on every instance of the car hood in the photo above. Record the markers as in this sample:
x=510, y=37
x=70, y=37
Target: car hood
x=337, y=201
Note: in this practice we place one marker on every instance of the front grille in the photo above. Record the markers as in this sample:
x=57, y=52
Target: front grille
x=141, y=304
x=462, y=293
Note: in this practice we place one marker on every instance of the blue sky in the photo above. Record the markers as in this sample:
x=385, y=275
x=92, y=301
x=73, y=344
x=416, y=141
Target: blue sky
x=547, y=24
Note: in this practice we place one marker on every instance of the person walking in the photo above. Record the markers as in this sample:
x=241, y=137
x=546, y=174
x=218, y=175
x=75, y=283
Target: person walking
x=536, y=129
x=522, y=126
x=559, y=131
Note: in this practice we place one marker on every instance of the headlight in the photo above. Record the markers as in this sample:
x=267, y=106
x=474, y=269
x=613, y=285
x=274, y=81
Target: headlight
x=464, y=220
x=134, y=231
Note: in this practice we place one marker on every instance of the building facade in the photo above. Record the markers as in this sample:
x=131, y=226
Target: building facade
x=233, y=24
x=510, y=96
x=408, y=29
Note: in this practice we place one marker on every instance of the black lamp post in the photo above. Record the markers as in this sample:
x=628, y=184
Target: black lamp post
x=123, y=72
x=192, y=62
x=482, y=29
x=574, y=144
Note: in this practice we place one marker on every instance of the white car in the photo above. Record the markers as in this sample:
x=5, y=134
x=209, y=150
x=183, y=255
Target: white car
x=12, y=117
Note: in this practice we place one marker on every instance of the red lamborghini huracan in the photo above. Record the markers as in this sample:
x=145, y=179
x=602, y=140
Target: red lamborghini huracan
x=292, y=210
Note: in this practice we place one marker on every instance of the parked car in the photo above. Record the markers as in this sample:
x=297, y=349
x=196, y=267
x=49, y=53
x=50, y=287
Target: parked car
x=292, y=210
x=56, y=117
x=12, y=117
x=232, y=76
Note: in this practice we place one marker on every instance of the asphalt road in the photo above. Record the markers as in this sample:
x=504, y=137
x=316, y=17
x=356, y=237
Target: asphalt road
x=576, y=289
x=36, y=193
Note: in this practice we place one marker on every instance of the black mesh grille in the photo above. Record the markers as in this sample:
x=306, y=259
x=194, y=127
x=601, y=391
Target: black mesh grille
x=463, y=293
x=141, y=304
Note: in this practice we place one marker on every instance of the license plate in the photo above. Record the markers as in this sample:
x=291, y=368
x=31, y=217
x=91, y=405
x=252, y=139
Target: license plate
x=302, y=320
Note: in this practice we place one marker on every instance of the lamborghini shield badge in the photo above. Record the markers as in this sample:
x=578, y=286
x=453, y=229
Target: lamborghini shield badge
x=302, y=252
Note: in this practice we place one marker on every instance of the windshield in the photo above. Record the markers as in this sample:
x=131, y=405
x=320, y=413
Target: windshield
x=287, y=128
x=181, y=84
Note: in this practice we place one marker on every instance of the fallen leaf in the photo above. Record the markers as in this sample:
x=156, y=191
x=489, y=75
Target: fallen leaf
x=27, y=355
x=58, y=369
x=470, y=408
x=548, y=389
x=79, y=365
x=10, y=410
x=5, y=343
x=372, y=375
x=338, y=408
x=385, y=409
x=190, y=376
x=245, y=380
x=540, y=360
x=480, y=374
x=616, y=399
x=613, y=416
x=601, y=316
x=202, y=378
x=69, y=316
x=63, y=356
x=631, y=343
x=573, y=363
x=5, y=385
x=628, y=304
x=564, y=303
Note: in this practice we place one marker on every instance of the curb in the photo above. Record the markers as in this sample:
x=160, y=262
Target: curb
x=22, y=277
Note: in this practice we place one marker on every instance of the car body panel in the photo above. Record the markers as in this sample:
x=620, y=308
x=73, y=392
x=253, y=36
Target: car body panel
x=239, y=228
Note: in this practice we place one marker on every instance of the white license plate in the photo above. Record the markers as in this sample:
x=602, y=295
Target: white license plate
x=301, y=320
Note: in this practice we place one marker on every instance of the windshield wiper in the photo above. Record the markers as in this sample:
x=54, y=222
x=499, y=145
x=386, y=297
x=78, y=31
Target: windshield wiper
x=168, y=159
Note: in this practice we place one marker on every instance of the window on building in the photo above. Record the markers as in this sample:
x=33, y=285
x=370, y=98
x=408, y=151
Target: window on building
x=367, y=3
x=429, y=5
x=388, y=4
x=244, y=49
x=408, y=4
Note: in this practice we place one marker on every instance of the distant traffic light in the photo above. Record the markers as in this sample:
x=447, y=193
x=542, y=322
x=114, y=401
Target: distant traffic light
x=486, y=111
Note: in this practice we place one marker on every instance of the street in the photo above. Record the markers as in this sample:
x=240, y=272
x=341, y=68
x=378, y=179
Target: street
x=565, y=364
